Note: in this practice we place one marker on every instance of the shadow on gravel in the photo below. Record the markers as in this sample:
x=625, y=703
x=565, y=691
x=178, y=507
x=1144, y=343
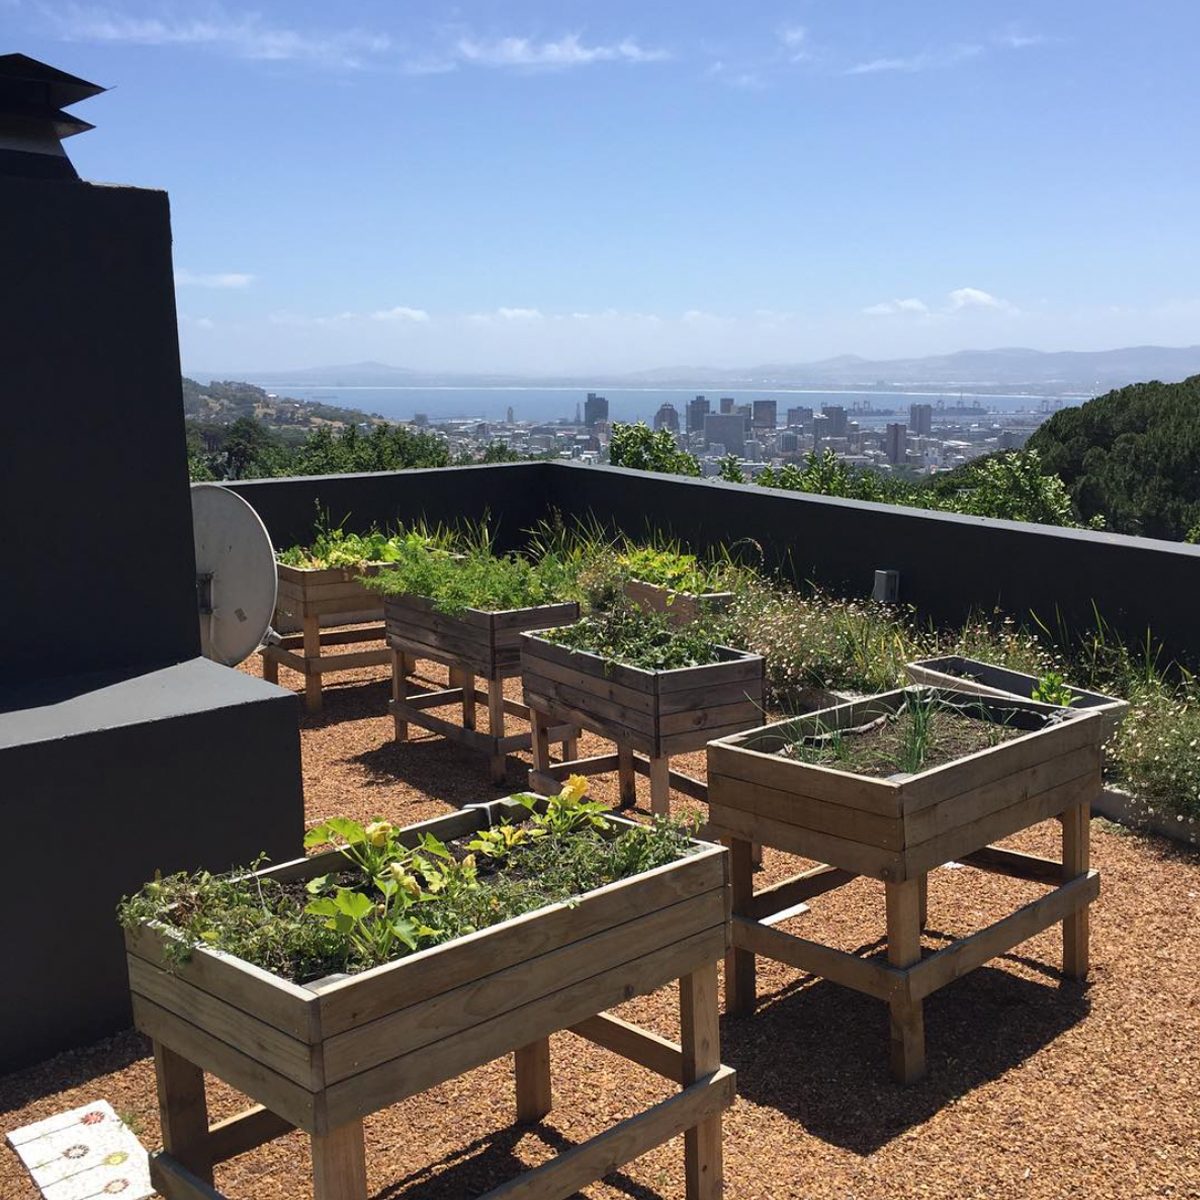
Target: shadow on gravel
x=72, y=1069
x=818, y=1052
x=488, y=1162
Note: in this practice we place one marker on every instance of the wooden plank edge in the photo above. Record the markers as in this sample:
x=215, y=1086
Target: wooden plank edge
x=960, y=957
x=601, y=1155
x=173, y=1181
x=1016, y=865
x=641, y=1046
x=245, y=1131
x=797, y=889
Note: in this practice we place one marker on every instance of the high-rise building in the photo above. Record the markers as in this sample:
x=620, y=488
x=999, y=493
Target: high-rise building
x=595, y=410
x=820, y=423
x=765, y=414
x=896, y=443
x=667, y=417
x=509, y=415
x=837, y=419
x=798, y=417
x=726, y=404
x=726, y=429
x=789, y=442
x=920, y=419
x=697, y=410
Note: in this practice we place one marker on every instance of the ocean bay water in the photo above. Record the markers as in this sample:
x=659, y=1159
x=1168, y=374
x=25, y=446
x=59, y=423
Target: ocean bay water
x=631, y=404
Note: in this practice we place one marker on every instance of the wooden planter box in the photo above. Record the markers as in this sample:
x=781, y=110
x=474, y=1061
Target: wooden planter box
x=321, y=1056
x=681, y=607
x=309, y=597
x=653, y=713
x=897, y=830
x=985, y=679
x=470, y=644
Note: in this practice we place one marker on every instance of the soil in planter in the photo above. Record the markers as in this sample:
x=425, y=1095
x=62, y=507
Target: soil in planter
x=919, y=737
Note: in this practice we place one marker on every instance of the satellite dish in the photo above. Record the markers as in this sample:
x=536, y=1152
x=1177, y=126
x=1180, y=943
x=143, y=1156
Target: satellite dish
x=235, y=574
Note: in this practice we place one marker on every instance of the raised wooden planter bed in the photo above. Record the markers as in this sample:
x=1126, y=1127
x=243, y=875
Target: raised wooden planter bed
x=309, y=594
x=470, y=644
x=320, y=1057
x=654, y=714
x=985, y=679
x=680, y=607
x=898, y=830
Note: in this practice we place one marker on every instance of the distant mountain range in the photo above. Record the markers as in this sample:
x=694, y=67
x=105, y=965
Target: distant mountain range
x=1088, y=371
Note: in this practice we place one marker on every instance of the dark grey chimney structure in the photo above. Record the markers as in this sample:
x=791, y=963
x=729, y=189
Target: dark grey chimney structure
x=122, y=751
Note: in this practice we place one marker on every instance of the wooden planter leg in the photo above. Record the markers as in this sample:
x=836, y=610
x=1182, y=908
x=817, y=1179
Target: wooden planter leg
x=532, y=1063
x=1077, y=824
x=904, y=950
x=923, y=899
x=626, y=775
x=660, y=786
x=400, y=690
x=701, y=1042
x=467, y=682
x=495, y=691
x=270, y=666
x=739, y=964
x=570, y=748
x=312, y=651
x=183, y=1111
x=540, y=742
x=340, y=1163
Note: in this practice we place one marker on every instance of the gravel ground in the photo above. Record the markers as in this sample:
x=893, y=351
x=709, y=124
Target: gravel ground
x=1036, y=1087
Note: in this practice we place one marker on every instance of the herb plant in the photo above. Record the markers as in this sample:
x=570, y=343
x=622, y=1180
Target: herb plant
x=387, y=900
x=633, y=637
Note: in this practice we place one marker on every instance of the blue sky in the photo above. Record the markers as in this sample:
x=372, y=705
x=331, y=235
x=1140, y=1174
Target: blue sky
x=568, y=185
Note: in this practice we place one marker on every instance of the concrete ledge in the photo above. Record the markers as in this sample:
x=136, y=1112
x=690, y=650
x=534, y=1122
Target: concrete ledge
x=1124, y=808
x=192, y=766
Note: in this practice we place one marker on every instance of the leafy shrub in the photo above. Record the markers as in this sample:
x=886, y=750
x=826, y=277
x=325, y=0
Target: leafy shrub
x=634, y=637
x=643, y=449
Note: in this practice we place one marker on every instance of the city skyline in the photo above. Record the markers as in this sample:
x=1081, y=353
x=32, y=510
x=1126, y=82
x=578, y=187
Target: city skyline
x=625, y=188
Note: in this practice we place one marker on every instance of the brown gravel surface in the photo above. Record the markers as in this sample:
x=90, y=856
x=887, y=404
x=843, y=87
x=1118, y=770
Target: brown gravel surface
x=1036, y=1087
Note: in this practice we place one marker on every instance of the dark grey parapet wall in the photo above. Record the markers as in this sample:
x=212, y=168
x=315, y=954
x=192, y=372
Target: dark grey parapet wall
x=512, y=495
x=93, y=465
x=950, y=566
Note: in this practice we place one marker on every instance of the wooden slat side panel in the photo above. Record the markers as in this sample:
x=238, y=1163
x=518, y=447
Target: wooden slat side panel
x=581, y=697
x=716, y=691
x=741, y=714
x=286, y=1006
x=736, y=666
x=807, y=812
x=641, y=698
x=402, y=1077
x=728, y=759
x=986, y=766
x=295, y=1060
x=459, y=1008
x=555, y=708
x=933, y=820
x=280, y=1095
x=1028, y=810
x=858, y=857
x=376, y=993
x=537, y=649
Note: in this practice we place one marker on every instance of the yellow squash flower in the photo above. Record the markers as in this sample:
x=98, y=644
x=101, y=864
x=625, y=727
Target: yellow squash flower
x=378, y=832
x=575, y=788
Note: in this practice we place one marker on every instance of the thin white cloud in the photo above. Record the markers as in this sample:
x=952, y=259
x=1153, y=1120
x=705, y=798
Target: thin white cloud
x=568, y=51
x=222, y=279
x=914, y=63
x=736, y=77
x=794, y=39
x=241, y=35
x=969, y=298
x=400, y=313
x=519, y=314
x=895, y=307
x=1013, y=38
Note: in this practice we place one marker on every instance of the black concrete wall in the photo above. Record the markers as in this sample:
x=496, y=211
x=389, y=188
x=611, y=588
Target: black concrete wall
x=97, y=537
x=511, y=494
x=192, y=766
x=949, y=566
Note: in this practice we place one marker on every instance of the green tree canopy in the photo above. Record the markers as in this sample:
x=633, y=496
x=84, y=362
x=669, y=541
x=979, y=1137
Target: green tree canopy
x=643, y=449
